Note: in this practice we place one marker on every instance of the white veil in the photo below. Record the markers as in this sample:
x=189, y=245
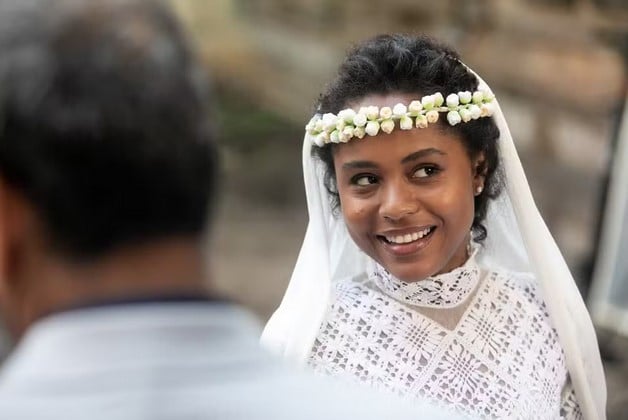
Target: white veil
x=518, y=240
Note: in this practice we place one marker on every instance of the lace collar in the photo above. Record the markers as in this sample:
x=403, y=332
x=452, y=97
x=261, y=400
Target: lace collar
x=445, y=290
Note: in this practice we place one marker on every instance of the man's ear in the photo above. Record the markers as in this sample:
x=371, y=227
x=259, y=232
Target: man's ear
x=4, y=238
x=16, y=227
x=14, y=213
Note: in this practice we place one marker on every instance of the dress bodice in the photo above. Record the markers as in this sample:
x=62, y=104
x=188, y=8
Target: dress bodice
x=499, y=358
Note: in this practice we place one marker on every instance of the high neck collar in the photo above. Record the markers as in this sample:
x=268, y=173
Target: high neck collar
x=445, y=290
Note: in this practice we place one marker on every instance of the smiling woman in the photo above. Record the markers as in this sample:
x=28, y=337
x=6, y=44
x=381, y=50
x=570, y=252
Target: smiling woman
x=416, y=275
x=415, y=189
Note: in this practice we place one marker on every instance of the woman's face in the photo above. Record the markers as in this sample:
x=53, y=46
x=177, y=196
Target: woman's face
x=407, y=197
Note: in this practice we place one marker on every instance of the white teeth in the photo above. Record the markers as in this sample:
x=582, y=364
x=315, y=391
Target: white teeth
x=410, y=237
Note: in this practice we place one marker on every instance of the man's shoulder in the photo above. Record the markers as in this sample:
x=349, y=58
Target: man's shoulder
x=262, y=389
x=166, y=362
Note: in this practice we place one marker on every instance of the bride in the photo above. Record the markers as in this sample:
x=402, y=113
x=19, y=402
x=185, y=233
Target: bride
x=426, y=269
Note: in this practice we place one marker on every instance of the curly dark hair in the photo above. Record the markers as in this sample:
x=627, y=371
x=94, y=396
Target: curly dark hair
x=416, y=65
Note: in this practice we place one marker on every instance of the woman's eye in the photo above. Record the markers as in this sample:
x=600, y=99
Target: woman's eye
x=364, y=180
x=425, y=172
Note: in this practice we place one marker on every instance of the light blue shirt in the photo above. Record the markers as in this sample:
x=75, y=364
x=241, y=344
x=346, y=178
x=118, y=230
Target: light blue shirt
x=186, y=360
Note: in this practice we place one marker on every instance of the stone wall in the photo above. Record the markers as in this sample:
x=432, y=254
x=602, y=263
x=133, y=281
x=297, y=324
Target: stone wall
x=558, y=67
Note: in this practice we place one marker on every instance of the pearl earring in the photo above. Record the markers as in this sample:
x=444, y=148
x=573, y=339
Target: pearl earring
x=478, y=190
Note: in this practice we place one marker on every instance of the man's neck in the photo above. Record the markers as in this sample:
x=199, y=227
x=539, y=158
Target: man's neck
x=173, y=267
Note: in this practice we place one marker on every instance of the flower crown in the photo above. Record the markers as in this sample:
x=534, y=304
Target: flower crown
x=348, y=124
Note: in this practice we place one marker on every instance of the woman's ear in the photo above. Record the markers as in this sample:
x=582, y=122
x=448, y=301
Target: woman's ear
x=479, y=173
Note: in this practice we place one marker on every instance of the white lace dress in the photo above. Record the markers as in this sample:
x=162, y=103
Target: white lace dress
x=477, y=341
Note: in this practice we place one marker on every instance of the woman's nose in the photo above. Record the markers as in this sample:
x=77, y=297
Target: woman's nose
x=398, y=201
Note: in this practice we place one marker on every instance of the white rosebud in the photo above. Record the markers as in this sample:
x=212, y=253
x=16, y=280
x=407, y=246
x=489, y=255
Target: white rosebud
x=405, y=123
x=334, y=137
x=488, y=96
x=340, y=124
x=475, y=110
x=487, y=110
x=372, y=112
x=329, y=121
x=347, y=133
x=421, y=121
x=311, y=125
x=347, y=115
x=387, y=126
x=427, y=102
x=452, y=100
x=415, y=108
x=432, y=116
x=319, y=126
x=400, y=110
x=465, y=114
x=453, y=117
x=478, y=97
x=359, y=132
x=360, y=119
x=438, y=99
x=322, y=138
x=372, y=128
x=385, y=112
x=465, y=97
x=317, y=140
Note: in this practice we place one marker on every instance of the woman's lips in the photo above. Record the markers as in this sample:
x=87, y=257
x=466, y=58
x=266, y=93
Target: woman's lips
x=409, y=243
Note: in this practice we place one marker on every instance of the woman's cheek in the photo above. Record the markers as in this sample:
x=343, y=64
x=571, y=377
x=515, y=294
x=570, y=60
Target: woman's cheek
x=355, y=212
x=457, y=205
x=360, y=224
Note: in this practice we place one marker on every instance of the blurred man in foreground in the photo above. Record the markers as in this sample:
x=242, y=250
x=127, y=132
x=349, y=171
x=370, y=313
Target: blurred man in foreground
x=107, y=177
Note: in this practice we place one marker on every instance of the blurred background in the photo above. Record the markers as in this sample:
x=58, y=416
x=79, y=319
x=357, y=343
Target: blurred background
x=558, y=68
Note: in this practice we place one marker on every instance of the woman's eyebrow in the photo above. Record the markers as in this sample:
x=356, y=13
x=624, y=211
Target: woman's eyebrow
x=422, y=153
x=359, y=164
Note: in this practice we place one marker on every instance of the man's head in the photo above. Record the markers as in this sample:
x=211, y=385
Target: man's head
x=104, y=136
